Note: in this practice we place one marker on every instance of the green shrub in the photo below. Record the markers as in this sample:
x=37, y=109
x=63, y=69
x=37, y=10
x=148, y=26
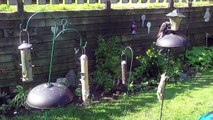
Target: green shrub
x=200, y=58
x=152, y=65
x=5, y=103
x=108, y=56
x=20, y=97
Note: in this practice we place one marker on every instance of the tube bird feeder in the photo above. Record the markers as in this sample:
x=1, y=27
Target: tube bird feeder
x=123, y=71
x=84, y=77
x=26, y=62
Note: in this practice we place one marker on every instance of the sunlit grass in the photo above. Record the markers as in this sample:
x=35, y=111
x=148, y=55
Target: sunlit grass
x=183, y=101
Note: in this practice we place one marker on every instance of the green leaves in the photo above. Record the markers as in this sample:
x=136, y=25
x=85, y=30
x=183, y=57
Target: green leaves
x=107, y=63
x=200, y=58
x=20, y=97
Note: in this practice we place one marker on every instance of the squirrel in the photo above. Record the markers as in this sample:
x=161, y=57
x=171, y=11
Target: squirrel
x=161, y=87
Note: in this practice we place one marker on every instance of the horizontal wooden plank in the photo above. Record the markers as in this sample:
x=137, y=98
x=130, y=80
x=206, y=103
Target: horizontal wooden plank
x=6, y=58
x=91, y=24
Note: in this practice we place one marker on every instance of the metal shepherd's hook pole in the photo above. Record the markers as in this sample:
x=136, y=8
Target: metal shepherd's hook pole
x=162, y=85
x=124, y=65
x=124, y=70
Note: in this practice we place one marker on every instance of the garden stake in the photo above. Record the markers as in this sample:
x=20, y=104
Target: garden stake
x=207, y=15
x=125, y=73
x=207, y=36
x=26, y=62
x=143, y=18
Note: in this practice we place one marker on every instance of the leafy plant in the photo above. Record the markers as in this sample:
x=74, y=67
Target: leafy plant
x=152, y=64
x=107, y=63
x=78, y=92
x=174, y=70
x=5, y=103
x=20, y=97
x=200, y=58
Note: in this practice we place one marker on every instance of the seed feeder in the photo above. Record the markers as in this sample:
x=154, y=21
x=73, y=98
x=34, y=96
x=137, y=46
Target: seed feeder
x=124, y=71
x=168, y=37
x=26, y=62
x=49, y=95
x=84, y=76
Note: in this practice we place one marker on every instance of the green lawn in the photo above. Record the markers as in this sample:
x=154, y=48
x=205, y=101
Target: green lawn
x=184, y=101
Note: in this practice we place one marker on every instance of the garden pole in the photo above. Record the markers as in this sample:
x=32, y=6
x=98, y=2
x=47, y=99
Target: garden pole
x=163, y=93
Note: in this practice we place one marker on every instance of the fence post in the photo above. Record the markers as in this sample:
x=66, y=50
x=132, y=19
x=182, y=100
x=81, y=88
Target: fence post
x=92, y=1
x=134, y=1
x=20, y=6
x=80, y=1
x=55, y=1
x=41, y=2
x=12, y=2
x=27, y=2
x=68, y=1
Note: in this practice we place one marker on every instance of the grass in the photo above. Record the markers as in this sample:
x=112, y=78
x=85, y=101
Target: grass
x=74, y=7
x=183, y=101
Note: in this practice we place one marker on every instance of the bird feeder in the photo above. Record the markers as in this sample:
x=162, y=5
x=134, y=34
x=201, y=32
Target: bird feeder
x=26, y=62
x=84, y=78
x=49, y=95
x=170, y=38
x=173, y=39
x=124, y=65
x=123, y=71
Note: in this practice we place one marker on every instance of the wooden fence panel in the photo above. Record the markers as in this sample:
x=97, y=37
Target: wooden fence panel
x=91, y=24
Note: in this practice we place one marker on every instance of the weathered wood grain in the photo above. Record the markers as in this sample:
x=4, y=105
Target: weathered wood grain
x=91, y=24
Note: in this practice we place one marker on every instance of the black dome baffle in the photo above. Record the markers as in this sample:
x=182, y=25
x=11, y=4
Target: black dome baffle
x=49, y=95
x=172, y=41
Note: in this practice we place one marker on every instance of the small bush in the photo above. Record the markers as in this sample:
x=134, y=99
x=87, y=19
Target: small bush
x=5, y=103
x=20, y=97
x=152, y=65
x=200, y=58
x=108, y=56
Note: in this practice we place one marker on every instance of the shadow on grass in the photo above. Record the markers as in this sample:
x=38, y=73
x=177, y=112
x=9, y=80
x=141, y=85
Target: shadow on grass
x=118, y=108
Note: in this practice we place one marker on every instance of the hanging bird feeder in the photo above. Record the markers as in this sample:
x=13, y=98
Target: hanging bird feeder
x=26, y=62
x=124, y=71
x=172, y=38
x=84, y=76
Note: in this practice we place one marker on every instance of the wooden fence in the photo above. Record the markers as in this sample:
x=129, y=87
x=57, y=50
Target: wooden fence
x=27, y=2
x=90, y=24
